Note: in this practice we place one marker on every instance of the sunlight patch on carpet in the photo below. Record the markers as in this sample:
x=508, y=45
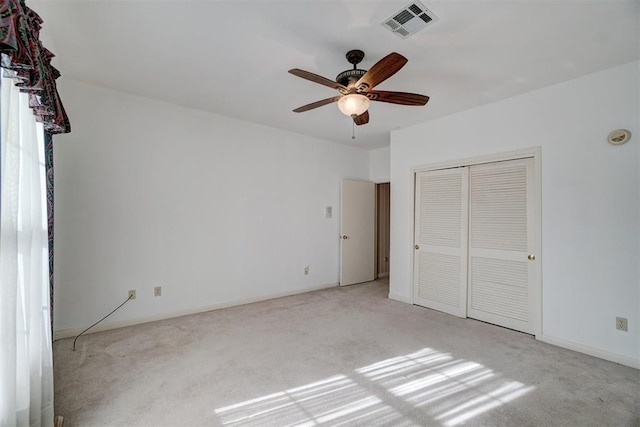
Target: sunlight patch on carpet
x=326, y=401
x=426, y=386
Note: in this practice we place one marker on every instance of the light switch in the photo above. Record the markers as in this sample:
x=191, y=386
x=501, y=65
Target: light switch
x=328, y=212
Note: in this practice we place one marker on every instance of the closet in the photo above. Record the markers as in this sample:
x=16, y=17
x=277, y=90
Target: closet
x=476, y=242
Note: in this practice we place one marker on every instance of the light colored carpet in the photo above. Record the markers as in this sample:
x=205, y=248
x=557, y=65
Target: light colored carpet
x=341, y=356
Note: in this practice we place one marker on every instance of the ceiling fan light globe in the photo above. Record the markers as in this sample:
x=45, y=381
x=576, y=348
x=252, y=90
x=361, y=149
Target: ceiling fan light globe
x=354, y=104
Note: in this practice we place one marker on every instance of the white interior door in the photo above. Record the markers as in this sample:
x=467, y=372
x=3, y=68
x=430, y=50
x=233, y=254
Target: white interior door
x=440, y=251
x=502, y=244
x=357, y=247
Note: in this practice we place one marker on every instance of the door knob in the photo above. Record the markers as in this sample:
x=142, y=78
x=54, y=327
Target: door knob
x=345, y=237
x=531, y=257
x=417, y=247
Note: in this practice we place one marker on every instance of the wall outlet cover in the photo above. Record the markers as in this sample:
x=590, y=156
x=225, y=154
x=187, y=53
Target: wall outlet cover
x=621, y=324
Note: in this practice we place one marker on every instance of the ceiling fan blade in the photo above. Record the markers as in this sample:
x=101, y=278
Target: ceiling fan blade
x=362, y=119
x=317, y=104
x=381, y=70
x=317, y=79
x=402, y=98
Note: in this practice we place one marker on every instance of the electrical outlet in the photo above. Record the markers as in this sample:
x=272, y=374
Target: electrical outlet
x=306, y=270
x=157, y=291
x=621, y=324
x=132, y=294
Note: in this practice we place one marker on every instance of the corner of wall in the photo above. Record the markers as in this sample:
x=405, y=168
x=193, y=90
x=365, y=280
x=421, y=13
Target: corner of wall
x=380, y=164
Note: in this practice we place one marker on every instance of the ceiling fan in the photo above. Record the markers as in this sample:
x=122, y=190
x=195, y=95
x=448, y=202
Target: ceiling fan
x=356, y=87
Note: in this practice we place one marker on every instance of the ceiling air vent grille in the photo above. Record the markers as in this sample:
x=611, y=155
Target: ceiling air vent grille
x=409, y=20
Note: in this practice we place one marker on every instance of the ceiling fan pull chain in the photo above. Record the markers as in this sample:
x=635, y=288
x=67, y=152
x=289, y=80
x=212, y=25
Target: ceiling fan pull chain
x=353, y=129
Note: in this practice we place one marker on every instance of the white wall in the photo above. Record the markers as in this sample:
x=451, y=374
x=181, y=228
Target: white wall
x=590, y=200
x=380, y=164
x=214, y=210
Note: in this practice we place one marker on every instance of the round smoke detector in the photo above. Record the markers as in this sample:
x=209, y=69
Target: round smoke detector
x=619, y=137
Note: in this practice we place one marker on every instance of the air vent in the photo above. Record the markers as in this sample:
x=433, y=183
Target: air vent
x=409, y=20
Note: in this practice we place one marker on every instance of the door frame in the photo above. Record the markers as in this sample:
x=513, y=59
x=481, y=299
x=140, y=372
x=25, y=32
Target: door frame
x=536, y=154
x=377, y=219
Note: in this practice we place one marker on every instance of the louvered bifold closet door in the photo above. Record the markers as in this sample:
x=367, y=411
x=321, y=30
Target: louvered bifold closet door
x=500, y=232
x=440, y=251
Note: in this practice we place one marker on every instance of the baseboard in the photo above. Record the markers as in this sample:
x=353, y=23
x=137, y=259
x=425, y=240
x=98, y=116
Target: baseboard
x=72, y=332
x=382, y=275
x=591, y=351
x=400, y=298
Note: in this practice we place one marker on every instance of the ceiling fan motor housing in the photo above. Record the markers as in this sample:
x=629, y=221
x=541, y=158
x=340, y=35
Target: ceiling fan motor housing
x=350, y=77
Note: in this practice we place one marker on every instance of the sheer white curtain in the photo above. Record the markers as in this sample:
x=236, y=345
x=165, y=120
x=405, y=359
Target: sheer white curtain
x=26, y=367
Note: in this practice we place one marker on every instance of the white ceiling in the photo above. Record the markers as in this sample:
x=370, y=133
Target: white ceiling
x=232, y=57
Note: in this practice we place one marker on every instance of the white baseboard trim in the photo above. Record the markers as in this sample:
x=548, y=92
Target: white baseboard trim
x=591, y=351
x=400, y=298
x=72, y=332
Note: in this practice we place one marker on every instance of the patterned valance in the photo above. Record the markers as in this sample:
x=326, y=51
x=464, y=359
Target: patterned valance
x=26, y=60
